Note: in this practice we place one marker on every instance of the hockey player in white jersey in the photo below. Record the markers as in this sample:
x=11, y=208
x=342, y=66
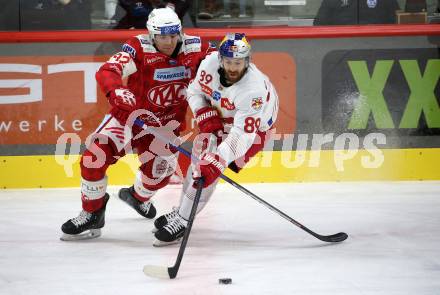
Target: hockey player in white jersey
x=235, y=104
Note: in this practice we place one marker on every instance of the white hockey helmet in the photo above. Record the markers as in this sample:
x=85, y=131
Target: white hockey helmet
x=163, y=21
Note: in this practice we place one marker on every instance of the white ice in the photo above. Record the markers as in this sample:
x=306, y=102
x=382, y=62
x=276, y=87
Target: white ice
x=393, y=245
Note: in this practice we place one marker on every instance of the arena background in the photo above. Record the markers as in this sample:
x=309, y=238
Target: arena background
x=372, y=85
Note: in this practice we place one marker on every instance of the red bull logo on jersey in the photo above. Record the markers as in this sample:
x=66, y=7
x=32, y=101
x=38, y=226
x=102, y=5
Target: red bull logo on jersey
x=168, y=94
x=257, y=103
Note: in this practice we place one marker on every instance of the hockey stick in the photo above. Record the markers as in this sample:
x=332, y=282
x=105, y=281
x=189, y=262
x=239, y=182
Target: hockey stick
x=335, y=238
x=164, y=272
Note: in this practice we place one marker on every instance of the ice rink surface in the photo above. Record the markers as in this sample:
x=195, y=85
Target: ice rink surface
x=393, y=245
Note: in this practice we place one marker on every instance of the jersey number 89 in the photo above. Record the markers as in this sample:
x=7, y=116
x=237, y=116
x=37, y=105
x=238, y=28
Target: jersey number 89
x=251, y=124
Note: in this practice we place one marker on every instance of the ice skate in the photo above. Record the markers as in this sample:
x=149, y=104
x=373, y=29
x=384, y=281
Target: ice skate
x=145, y=209
x=163, y=220
x=86, y=225
x=171, y=233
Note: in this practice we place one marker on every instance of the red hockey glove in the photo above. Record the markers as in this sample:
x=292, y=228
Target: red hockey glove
x=209, y=167
x=123, y=103
x=209, y=121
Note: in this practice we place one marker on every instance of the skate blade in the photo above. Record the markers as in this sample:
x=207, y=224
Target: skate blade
x=87, y=235
x=158, y=243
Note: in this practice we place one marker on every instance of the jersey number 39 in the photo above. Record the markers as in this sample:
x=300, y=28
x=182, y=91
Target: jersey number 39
x=205, y=78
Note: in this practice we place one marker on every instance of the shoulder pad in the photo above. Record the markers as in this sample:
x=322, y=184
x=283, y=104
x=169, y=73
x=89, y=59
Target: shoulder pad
x=191, y=44
x=146, y=43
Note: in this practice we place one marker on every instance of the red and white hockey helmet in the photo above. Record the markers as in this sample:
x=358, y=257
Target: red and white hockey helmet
x=163, y=21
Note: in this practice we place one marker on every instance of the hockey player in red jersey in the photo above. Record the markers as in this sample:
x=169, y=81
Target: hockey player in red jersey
x=158, y=67
x=235, y=105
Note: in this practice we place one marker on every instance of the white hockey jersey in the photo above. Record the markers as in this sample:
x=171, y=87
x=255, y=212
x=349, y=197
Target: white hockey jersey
x=250, y=105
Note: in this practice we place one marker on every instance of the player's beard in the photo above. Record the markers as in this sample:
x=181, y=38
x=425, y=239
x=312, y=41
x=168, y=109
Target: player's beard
x=233, y=76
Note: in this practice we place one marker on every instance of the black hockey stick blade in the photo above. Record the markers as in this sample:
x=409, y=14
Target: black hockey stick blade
x=336, y=238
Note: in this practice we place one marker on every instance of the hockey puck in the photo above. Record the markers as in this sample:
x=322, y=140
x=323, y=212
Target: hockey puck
x=225, y=281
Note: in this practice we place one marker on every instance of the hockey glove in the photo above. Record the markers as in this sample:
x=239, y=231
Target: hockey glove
x=209, y=121
x=209, y=167
x=123, y=102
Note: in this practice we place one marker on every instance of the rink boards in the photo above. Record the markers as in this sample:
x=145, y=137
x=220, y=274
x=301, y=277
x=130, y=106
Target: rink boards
x=295, y=166
x=356, y=103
